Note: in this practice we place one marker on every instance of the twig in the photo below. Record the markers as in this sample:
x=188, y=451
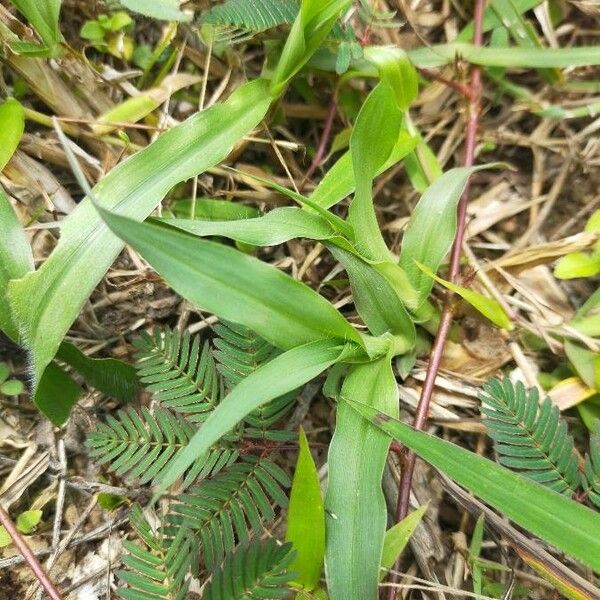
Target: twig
x=28, y=555
x=408, y=462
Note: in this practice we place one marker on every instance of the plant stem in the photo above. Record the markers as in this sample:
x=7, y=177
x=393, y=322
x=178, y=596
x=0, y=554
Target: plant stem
x=322, y=148
x=420, y=421
x=29, y=556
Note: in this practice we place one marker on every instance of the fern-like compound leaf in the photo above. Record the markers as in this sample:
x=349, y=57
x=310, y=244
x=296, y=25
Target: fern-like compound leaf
x=180, y=374
x=142, y=445
x=158, y=567
x=530, y=437
x=236, y=21
x=225, y=507
x=239, y=352
x=257, y=570
x=592, y=468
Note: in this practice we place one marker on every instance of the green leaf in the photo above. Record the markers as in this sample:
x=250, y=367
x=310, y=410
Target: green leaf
x=474, y=553
x=577, y=264
x=338, y=182
x=534, y=58
x=311, y=27
x=12, y=387
x=397, y=537
x=564, y=523
x=219, y=279
x=16, y=259
x=164, y=10
x=28, y=520
x=56, y=394
x=488, y=307
x=46, y=302
x=422, y=166
x=585, y=361
x=276, y=227
x=300, y=365
x=212, y=210
x=5, y=539
x=355, y=507
x=396, y=70
x=376, y=301
x=108, y=375
x=374, y=135
x=12, y=125
x=432, y=228
x=306, y=519
x=43, y=15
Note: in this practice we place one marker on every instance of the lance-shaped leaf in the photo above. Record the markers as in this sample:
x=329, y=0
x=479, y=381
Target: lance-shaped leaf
x=16, y=260
x=276, y=227
x=338, y=182
x=533, y=58
x=313, y=23
x=44, y=18
x=376, y=301
x=432, y=228
x=47, y=302
x=234, y=286
x=356, y=514
x=373, y=137
x=488, y=307
x=306, y=519
x=300, y=365
x=564, y=523
x=12, y=125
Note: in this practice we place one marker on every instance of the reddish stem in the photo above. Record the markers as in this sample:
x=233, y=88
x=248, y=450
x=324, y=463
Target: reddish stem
x=420, y=421
x=323, y=142
x=29, y=556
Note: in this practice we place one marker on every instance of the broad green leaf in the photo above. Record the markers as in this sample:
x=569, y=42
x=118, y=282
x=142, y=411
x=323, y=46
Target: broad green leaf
x=43, y=15
x=12, y=387
x=107, y=375
x=136, y=108
x=16, y=260
x=5, y=539
x=432, y=228
x=306, y=519
x=374, y=135
x=577, y=264
x=533, y=58
x=397, y=537
x=211, y=209
x=56, y=394
x=276, y=227
x=164, y=10
x=338, y=182
x=234, y=286
x=311, y=27
x=585, y=361
x=376, y=301
x=356, y=514
x=558, y=520
x=47, y=302
x=28, y=520
x=587, y=318
x=300, y=365
x=488, y=307
x=396, y=71
x=12, y=125
x=4, y=371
